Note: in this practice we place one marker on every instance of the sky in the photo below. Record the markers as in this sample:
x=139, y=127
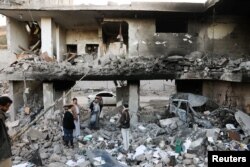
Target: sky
x=2, y=20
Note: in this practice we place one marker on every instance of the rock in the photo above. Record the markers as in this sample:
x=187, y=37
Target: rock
x=206, y=112
x=234, y=135
x=47, y=144
x=44, y=156
x=18, y=158
x=212, y=134
x=162, y=144
x=164, y=157
x=194, y=55
x=57, y=164
x=139, y=153
x=196, y=161
x=191, y=166
x=35, y=134
x=189, y=156
x=148, y=155
x=54, y=158
x=210, y=148
x=197, y=143
x=230, y=127
x=187, y=161
x=158, y=165
x=142, y=128
x=244, y=120
x=85, y=164
x=180, y=157
x=169, y=121
x=57, y=149
x=175, y=58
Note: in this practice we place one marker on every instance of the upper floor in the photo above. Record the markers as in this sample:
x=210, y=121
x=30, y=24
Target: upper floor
x=125, y=43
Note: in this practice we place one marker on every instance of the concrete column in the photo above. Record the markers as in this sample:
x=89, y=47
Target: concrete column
x=48, y=95
x=134, y=100
x=60, y=43
x=47, y=41
x=122, y=95
x=12, y=107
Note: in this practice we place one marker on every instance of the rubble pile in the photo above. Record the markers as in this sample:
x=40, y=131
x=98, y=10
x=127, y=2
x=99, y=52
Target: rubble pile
x=168, y=142
x=76, y=65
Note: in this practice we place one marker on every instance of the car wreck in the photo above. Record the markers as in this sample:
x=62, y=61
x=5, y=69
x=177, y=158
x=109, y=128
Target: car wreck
x=193, y=109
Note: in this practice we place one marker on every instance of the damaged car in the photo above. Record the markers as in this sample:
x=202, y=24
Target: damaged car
x=189, y=108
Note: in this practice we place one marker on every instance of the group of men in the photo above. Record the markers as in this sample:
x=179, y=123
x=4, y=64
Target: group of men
x=70, y=123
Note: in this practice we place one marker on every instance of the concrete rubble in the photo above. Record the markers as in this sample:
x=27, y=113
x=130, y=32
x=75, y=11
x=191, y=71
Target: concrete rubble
x=194, y=65
x=168, y=142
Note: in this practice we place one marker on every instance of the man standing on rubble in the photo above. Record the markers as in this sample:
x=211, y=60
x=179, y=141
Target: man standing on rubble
x=95, y=109
x=125, y=125
x=5, y=144
x=68, y=125
x=77, y=118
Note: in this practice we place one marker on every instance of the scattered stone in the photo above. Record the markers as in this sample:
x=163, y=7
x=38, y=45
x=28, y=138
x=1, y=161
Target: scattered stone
x=187, y=161
x=244, y=120
x=57, y=149
x=189, y=156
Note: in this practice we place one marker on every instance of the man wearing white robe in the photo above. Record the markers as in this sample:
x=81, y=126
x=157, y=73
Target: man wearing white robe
x=76, y=132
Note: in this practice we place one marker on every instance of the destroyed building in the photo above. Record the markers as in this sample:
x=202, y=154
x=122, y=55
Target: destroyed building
x=204, y=47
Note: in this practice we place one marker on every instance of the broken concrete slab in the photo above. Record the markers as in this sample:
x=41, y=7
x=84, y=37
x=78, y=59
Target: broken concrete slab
x=244, y=120
x=169, y=121
x=139, y=151
x=12, y=124
x=36, y=134
x=103, y=156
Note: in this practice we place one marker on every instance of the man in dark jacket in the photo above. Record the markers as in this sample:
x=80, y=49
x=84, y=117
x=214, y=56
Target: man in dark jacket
x=68, y=125
x=125, y=125
x=5, y=144
x=95, y=108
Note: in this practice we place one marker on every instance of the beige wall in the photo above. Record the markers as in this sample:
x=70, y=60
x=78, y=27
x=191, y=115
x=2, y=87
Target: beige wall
x=81, y=38
x=16, y=35
x=238, y=94
x=6, y=58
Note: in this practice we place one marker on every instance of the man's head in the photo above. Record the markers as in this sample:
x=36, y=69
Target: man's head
x=74, y=100
x=125, y=105
x=5, y=103
x=97, y=99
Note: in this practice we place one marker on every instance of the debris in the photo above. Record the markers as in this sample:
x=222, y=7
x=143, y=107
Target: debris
x=27, y=164
x=44, y=56
x=244, y=120
x=12, y=124
x=102, y=158
x=233, y=135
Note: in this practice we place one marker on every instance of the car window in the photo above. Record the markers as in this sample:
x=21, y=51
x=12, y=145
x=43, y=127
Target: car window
x=105, y=95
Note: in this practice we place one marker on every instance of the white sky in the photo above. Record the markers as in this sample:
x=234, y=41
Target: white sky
x=2, y=20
